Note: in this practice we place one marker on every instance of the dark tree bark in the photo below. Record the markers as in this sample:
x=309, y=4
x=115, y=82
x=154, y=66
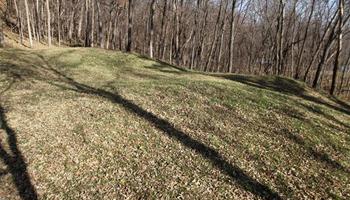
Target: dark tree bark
x=297, y=70
x=162, y=44
x=232, y=35
x=88, y=22
x=339, y=46
x=130, y=26
x=323, y=58
x=151, y=26
x=280, y=38
x=92, y=22
x=214, y=39
x=100, y=25
x=2, y=38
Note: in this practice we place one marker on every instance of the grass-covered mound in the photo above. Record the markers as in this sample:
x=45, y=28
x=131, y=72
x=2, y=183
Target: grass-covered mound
x=95, y=124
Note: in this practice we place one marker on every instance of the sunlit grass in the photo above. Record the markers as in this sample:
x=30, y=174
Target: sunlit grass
x=80, y=144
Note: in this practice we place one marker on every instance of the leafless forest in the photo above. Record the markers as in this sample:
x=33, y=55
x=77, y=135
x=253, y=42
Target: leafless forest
x=306, y=40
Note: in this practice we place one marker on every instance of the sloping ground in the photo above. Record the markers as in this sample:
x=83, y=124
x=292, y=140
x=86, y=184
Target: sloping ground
x=12, y=40
x=95, y=124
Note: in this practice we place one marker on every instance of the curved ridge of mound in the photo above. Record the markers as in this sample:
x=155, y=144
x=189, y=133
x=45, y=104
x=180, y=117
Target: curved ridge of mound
x=96, y=124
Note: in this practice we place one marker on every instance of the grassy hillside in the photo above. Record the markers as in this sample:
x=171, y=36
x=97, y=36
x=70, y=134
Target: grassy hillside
x=96, y=124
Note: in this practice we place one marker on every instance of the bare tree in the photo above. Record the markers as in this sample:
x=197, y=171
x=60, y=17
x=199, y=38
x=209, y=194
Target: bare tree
x=100, y=24
x=2, y=38
x=28, y=23
x=130, y=25
x=339, y=45
x=151, y=24
x=232, y=35
x=58, y=23
x=302, y=39
x=48, y=23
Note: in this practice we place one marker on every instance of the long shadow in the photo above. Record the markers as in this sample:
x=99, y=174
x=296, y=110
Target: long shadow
x=235, y=173
x=15, y=163
x=322, y=157
x=288, y=87
x=317, y=110
x=292, y=87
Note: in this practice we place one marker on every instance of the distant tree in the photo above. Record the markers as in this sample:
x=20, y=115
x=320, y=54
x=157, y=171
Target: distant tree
x=302, y=39
x=130, y=25
x=100, y=24
x=48, y=22
x=232, y=35
x=88, y=21
x=28, y=23
x=151, y=36
x=214, y=39
x=2, y=38
x=339, y=45
x=37, y=19
x=58, y=22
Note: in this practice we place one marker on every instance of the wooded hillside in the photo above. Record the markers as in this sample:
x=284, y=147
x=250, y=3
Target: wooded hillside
x=307, y=40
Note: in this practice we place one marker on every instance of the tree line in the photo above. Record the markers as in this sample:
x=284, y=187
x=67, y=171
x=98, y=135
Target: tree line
x=306, y=40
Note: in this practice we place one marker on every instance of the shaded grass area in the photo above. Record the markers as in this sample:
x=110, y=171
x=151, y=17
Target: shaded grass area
x=289, y=87
x=15, y=163
x=122, y=126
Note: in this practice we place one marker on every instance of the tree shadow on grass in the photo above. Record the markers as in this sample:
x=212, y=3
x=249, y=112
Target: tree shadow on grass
x=15, y=162
x=288, y=87
x=318, y=110
x=235, y=173
x=161, y=64
x=322, y=157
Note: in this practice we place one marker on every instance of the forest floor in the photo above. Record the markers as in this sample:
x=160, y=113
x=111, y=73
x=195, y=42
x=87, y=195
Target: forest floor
x=94, y=124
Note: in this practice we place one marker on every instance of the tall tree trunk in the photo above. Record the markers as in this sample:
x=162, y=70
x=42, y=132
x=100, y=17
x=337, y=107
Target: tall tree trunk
x=344, y=71
x=162, y=45
x=19, y=21
x=109, y=30
x=48, y=23
x=100, y=25
x=130, y=26
x=88, y=24
x=152, y=9
x=176, y=32
x=37, y=16
x=58, y=22
x=323, y=57
x=195, y=37
x=221, y=42
x=339, y=46
x=232, y=35
x=80, y=24
x=2, y=38
x=71, y=24
x=301, y=51
x=329, y=28
x=32, y=23
x=115, y=32
x=280, y=42
x=201, y=40
x=28, y=24
x=180, y=34
x=214, y=40
x=92, y=22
